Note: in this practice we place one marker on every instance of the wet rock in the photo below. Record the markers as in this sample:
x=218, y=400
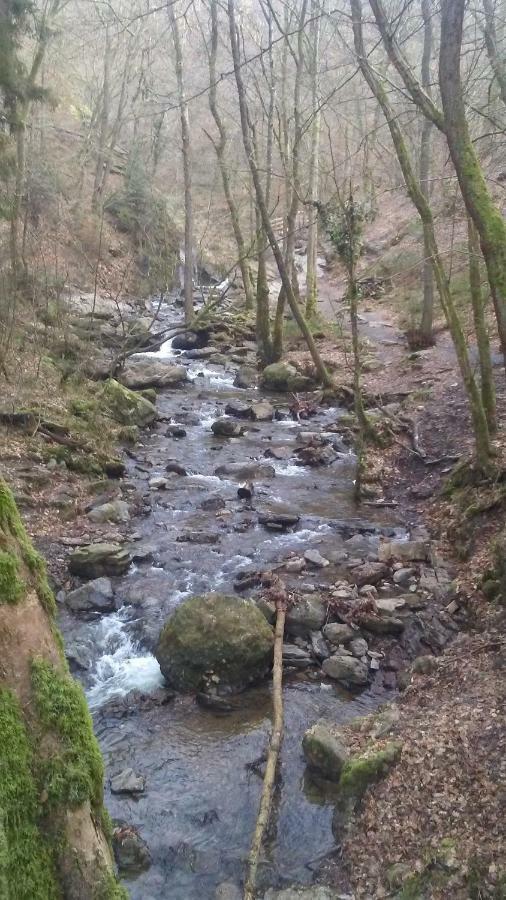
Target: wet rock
x=406, y=551
x=295, y=564
x=382, y=624
x=306, y=615
x=337, y=633
x=130, y=851
x=114, y=511
x=140, y=374
x=175, y=431
x=324, y=751
x=190, y=340
x=95, y=560
x=126, y=406
x=79, y=655
x=218, y=638
x=346, y=669
x=278, y=518
x=127, y=782
x=245, y=471
x=246, y=377
x=213, y=503
x=226, y=428
x=238, y=409
x=389, y=604
x=206, y=818
x=359, y=647
x=282, y=376
x=262, y=411
x=215, y=703
x=296, y=656
x=122, y=706
x=176, y=468
x=280, y=453
x=315, y=559
x=402, y=576
x=198, y=537
x=319, y=646
x=245, y=491
x=316, y=456
x=158, y=483
x=369, y=573
x=96, y=595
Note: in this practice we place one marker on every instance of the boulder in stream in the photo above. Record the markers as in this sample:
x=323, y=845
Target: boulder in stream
x=95, y=596
x=346, y=669
x=282, y=376
x=324, y=751
x=224, y=427
x=306, y=615
x=125, y=406
x=246, y=377
x=145, y=373
x=95, y=560
x=215, y=640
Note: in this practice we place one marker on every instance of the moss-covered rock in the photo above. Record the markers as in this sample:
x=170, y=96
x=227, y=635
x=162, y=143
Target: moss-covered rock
x=215, y=639
x=11, y=586
x=282, y=376
x=324, y=751
x=16, y=545
x=95, y=560
x=125, y=406
x=363, y=770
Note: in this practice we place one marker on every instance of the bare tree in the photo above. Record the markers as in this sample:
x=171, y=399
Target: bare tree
x=314, y=161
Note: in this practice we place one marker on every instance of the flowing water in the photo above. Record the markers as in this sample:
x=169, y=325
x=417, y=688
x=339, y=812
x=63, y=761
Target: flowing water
x=199, y=807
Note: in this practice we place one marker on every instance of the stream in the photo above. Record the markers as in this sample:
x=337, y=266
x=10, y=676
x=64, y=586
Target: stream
x=198, y=810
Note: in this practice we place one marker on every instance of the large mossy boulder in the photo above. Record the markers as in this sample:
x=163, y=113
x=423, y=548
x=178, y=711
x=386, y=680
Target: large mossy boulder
x=126, y=406
x=215, y=640
x=282, y=376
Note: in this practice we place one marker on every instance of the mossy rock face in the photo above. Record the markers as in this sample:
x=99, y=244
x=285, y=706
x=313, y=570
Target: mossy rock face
x=11, y=586
x=126, y=406
x=363, y=770
x=282, y=376
x=324, y=751
x=217, y=640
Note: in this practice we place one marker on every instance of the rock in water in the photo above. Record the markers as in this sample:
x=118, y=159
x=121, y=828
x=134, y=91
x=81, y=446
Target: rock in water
x=95, y=560
x=282, y=376
x=324, y=751
x=146, y=373
x=262, y=411
x=215, y=639
x=245, y=378
x=97, y=596
x=127, y=782
x=130, y=851
x=346, y=669
x=226, y=428
x=125, y=406
x=305, y=616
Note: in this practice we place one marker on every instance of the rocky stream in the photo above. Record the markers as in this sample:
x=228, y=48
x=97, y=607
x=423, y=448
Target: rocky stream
x=186, y=776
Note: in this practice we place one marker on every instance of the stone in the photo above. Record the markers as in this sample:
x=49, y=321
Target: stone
x=245, y=471
x=296, y=656
x=346, y=669
x=95, y=560
x=267, y=608
x=280, y=453
x=224, y=427
x=114, y=511
x=389, y=604
x=140, y=374
x=359, y=647
x=306, y=615
x=369, y=573
x=130, y=851
x=215, y=637
x=246, y=377
x=238, y=409
x=295, y=564
x=175, y=431
x=402, y=576
x=95, y=596
x=190, y=340
x=213, y=503
x=319, y=646
x=324, y=751
x=405, y=551
x=174, y=467
x=386, y=722
x=278, y=518
x=337, y=633
x=315, y=559
x=262, y=411
x=382, y=624
x=126, y=406
x=127, y=782
x=158, y=483
x=282, y=376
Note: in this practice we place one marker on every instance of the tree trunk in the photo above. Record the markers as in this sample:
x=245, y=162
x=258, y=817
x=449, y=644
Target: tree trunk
x=479, y=420
x=486, y=216
x=426, y=335
x=494, y=54
x=314, y=168
x=220, y=148
x=187, y=165
x=260, y=196
x=480, y=327
x=53, y=831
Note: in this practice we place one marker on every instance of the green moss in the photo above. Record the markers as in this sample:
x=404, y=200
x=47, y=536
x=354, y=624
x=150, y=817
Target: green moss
x=26, y=860
x=77, y=773
x=11, y=586
x=360, y=772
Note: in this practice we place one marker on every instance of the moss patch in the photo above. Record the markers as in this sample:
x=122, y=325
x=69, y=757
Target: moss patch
x=76, y=774
x=361, y=771
x=11, y=586
x=26, y=863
